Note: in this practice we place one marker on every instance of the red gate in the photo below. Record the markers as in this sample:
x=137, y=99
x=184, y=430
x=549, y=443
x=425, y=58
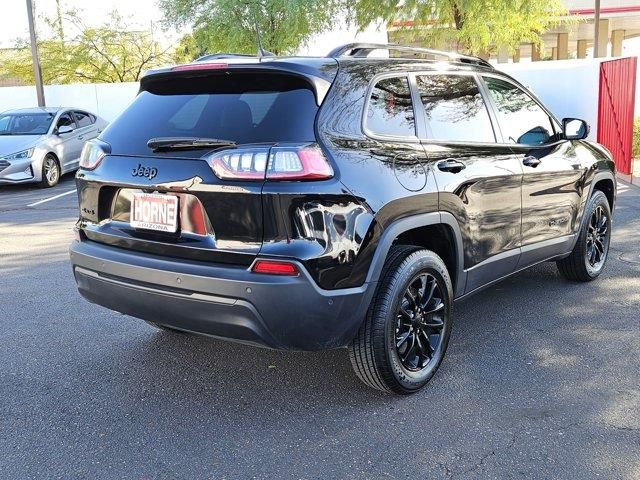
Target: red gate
x=616, y=109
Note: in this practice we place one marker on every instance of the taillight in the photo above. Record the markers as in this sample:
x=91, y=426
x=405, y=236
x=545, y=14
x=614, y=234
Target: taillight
x=92, y=153
x=281, y=163
x=240, y=163
x=305, y=163
x=275, y=267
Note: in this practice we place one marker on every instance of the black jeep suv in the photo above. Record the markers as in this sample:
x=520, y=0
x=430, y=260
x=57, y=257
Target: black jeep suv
x=346, y=201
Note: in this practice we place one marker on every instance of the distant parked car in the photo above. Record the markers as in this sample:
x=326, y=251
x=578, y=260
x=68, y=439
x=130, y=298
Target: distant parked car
x=38, y=145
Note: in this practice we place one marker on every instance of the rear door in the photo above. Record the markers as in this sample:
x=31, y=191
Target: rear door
x=551, y=191
x=86, y=131
x=69, y=146
x=478, y=178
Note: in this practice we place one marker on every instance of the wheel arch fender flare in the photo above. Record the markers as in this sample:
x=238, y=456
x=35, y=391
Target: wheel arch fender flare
x=597, y=177
x=604, y=175
x=416, y=221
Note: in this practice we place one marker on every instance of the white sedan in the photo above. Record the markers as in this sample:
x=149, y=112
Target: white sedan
x=38, y=145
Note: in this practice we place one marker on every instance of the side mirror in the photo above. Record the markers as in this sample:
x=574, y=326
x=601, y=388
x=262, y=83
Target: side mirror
x=65, y=129
x=574, y=128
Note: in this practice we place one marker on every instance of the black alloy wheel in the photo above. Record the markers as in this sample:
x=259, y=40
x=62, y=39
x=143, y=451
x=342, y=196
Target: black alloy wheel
x=597, y=238
x=420, y=322
x=403, y=340
x=589, y=255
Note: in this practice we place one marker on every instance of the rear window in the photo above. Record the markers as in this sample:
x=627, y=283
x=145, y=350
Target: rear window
x=257, y=108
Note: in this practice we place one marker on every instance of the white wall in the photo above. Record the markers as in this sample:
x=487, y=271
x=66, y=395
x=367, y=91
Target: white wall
x=569, y=88
x=107, y=100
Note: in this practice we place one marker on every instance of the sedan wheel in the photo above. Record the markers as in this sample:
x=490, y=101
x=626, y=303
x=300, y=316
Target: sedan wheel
x=50, y=171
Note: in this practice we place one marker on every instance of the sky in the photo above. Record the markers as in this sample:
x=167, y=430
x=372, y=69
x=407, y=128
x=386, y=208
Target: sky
x=144, y=13
x=13, y=21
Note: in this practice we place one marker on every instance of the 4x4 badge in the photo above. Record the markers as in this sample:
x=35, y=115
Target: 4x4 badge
x=142, y=171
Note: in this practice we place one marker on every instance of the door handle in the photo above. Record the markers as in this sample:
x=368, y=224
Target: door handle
x=81, y=137
x=451, y=165
x=532, y=162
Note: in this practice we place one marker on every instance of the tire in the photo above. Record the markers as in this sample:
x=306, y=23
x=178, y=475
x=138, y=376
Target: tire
x=589, y=255
x=165, y=328
x=50, y=171
x=378, y=353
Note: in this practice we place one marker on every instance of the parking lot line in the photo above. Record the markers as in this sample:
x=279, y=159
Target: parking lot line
x=50, y=198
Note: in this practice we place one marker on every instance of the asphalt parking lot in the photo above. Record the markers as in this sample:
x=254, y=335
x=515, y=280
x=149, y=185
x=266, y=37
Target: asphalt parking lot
x=542, y=380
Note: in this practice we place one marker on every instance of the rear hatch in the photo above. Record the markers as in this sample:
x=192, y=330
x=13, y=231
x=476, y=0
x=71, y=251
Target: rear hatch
x=200, y=200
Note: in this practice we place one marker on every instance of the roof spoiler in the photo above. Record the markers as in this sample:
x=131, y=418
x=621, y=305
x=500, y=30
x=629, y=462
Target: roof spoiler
x=359, y=50
x=222, y=56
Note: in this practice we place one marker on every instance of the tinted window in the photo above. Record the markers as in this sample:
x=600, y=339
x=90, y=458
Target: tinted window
x=66, y=120
x=521, y=119
x=390, y=108
x=83, y=119
x=454, y=108
x=244, y=110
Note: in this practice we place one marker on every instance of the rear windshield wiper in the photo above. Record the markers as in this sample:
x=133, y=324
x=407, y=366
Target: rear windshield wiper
x=187, y=143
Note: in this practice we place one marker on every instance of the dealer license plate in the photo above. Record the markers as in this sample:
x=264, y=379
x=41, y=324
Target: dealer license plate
x=154, y=211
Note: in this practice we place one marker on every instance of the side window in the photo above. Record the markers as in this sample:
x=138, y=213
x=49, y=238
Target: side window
x=454, y=108
x=83, y=119
x=66, y=120
x=521, y=119
x=390, y=109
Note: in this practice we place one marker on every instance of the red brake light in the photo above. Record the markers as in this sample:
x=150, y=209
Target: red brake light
x=306, y=162
x=274, y=267
x=200, y=66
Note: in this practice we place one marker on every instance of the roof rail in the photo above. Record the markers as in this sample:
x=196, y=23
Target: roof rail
x=365, y=49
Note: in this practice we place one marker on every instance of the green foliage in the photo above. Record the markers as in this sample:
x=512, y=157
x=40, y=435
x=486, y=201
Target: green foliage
x=636, y=138
x=474, y=26
x=109, y=53
x=228, y=25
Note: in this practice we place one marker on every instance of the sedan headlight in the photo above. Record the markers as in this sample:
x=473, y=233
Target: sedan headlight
x=20, y=155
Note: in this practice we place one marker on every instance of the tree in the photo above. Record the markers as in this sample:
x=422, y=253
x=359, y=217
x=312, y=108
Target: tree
x=108, y=53
x=474, y=26
x=229, y=25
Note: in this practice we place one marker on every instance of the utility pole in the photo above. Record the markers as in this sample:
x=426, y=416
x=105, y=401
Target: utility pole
x=37, y=72
x=596, y=37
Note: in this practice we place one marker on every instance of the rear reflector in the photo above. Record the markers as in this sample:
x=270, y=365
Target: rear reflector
x=273, y=267
x=281, y=163
x=200, y=66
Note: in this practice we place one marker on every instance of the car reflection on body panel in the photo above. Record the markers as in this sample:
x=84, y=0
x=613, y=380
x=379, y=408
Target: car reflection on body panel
x=38, y=145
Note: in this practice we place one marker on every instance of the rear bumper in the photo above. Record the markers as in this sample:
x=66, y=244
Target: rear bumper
x=228, y=302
